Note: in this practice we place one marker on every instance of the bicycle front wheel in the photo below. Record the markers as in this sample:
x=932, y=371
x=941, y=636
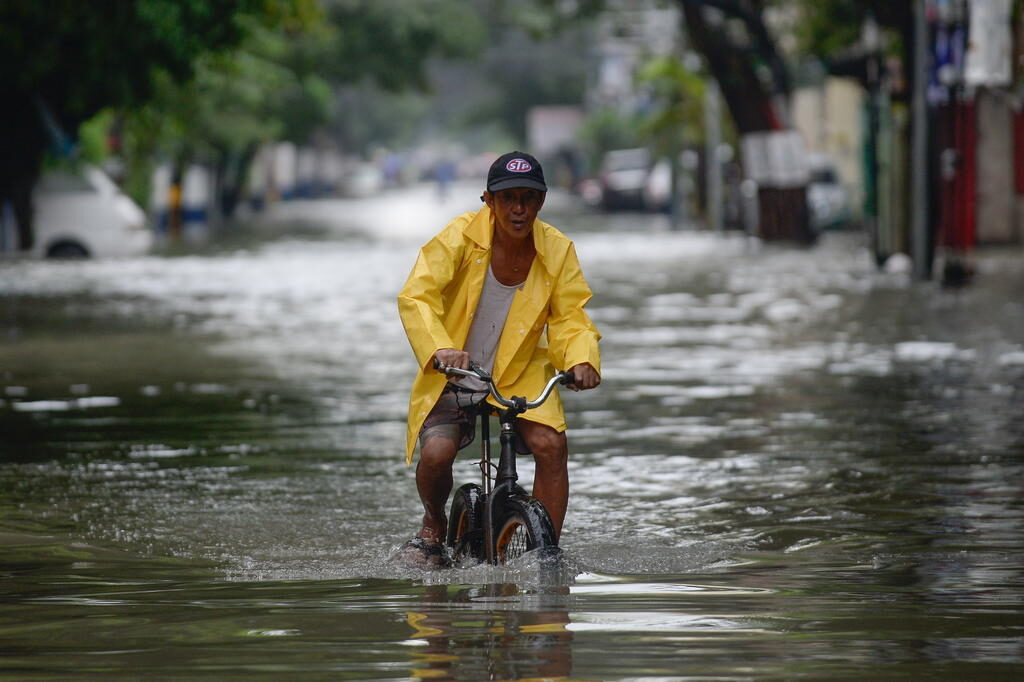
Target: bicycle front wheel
x=465, y=531
x=523, y=527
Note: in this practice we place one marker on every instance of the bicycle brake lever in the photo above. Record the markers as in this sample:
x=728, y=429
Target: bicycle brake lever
x=480, y=371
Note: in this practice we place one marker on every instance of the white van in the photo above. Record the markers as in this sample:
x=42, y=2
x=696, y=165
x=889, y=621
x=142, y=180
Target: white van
x=84, y=214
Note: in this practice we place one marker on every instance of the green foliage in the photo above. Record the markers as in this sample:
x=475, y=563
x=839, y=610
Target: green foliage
x=673, y=121
x=92, y=136
x=63, y=61
x=80, y=57
x=282, y=84
x=521, y=72
x=607, y=129
x=285, y=81
x=829, y=26
x=541, y=19
x=213, y=78
x=390, y=41
x=676, y=119
x=370, y=116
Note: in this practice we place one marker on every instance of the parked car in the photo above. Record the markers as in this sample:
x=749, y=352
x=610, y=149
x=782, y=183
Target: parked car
x=827, y=198
x=629, y=180
x=622, y=178
x=84, y=214
x=361, y=179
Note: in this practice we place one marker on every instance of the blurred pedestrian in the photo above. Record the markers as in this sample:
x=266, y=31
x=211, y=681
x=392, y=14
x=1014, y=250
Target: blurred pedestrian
x=490, y=288
x=444, y=175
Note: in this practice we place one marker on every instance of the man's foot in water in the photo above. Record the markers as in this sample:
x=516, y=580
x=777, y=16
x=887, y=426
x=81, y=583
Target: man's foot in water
x=423, y=553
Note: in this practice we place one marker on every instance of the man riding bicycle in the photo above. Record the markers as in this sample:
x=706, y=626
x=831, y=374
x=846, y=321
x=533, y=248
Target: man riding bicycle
x=484, y=290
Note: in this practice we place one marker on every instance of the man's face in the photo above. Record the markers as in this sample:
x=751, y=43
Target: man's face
x=515, y=209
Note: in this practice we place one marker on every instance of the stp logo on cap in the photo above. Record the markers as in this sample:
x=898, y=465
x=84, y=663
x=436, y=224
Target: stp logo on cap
x=518, y=166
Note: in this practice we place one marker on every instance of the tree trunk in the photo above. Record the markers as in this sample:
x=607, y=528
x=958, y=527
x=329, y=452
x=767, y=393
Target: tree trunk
x=783, y=209
x=21, y=202
x=232, y=171
x=22, y=145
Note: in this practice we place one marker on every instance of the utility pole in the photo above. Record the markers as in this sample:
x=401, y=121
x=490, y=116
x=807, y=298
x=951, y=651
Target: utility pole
x=712, y=167
x=919, y=245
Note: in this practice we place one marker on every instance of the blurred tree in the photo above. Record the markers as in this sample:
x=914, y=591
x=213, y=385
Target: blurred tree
x=163, y=65
x=607, y=129
x=827, y=27
x=832, y=29
x=676, y=117
x=372, y=117
x=390, y=41
x=489, y=62
x=536, y=53
x=742, y=56
x=294, y=82
x=523, y=72
x=62, y=61
x=854, y=38
x=235, y=101
x=674, y=121
x=381, y=56
x=541, y=19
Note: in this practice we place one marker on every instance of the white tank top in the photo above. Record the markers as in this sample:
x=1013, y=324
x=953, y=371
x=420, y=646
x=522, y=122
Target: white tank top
x=488, y=322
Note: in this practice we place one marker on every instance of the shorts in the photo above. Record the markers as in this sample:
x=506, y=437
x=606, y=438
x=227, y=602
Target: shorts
x=454, y=417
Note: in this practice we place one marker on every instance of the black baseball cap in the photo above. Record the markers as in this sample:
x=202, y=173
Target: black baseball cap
x=515, y=169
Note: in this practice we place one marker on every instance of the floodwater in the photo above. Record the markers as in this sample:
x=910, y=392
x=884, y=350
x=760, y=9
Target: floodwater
x=797, y=467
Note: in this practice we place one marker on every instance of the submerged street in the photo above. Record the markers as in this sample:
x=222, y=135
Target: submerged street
x=794, y=460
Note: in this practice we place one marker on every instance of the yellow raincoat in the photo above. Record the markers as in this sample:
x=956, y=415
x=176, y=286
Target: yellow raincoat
x=439, y=300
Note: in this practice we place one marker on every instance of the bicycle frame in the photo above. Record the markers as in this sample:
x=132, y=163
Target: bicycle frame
x=505, y=479
x=505, y=476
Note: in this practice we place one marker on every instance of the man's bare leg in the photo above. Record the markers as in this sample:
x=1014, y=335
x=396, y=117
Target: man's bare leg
x=434, y=484
x=551, y=481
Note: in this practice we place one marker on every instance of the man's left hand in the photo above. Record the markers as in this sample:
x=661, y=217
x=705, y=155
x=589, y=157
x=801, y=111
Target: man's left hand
x=584, y=377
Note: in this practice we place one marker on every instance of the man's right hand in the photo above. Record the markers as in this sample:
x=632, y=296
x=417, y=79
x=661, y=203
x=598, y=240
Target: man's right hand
x=452, y=358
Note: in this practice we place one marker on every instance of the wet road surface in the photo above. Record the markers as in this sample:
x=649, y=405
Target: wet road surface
x=796, y=467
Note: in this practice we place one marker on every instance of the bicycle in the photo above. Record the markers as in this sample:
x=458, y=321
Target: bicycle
x=497, y=521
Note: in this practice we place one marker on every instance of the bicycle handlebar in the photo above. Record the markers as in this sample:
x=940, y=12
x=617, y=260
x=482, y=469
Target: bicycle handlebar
x=477, y=372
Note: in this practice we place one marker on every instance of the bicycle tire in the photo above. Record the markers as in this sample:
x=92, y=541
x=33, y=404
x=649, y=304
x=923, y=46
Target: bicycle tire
x=465, y=523
x=523, y=527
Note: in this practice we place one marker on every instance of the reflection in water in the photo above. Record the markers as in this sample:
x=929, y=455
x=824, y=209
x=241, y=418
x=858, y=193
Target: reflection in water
x=491, y=632
x=796, y=466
